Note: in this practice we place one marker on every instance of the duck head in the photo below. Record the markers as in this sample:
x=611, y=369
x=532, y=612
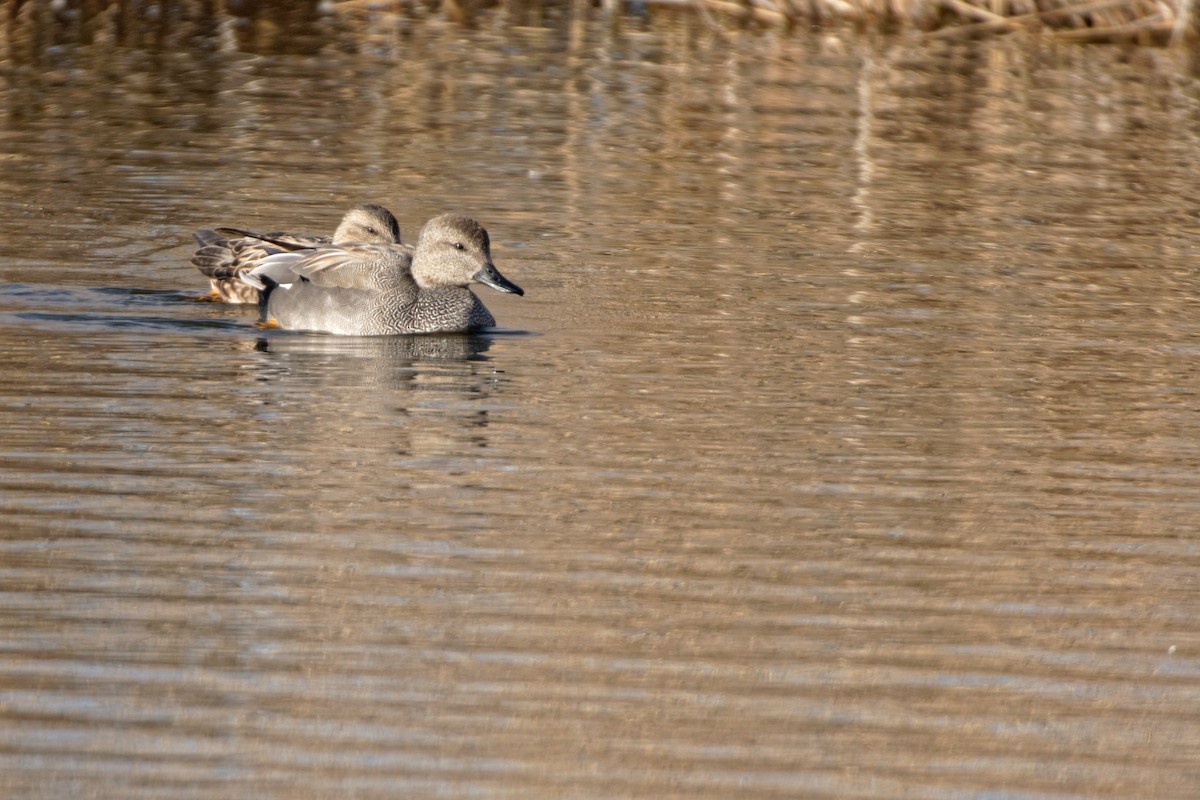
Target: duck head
x=453, y=251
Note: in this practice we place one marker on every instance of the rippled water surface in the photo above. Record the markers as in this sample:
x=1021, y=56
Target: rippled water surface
x=845, y=444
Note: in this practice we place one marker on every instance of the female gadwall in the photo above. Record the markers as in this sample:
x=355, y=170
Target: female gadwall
x=379, y=289
x=226, y=252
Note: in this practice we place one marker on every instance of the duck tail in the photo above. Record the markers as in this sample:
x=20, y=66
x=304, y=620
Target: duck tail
x=265, y=285
x=207, y=236
x=215, y=258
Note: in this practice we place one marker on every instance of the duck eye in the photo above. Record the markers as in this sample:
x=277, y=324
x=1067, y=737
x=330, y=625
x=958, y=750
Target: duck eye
x=459, y=246
x=371, y=230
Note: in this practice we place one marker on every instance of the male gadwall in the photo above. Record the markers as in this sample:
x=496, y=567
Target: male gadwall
x=223, y=253
x=379, y=289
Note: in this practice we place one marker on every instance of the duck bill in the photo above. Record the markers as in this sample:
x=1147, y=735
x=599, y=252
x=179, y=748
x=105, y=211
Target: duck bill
x=490, y=276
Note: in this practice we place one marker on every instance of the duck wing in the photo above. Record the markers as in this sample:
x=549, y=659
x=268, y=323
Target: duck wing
x=240, y=237
x=224, y=252
x=352, y=266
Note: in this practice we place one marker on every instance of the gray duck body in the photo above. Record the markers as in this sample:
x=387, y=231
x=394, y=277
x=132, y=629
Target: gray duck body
x=224, y=255
x=383, y=289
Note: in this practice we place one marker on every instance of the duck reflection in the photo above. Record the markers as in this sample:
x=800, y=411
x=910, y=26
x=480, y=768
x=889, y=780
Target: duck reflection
x=383, y=350
x=374, y=398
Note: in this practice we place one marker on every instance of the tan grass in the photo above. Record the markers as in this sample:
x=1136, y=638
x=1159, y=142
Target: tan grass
x=1160, y=22
x=1142, y=21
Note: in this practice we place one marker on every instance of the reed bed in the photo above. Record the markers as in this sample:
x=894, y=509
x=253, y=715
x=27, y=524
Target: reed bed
x=1157, y=22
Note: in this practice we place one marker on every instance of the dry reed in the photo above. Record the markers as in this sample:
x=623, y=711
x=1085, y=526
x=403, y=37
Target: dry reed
x=1140, y=21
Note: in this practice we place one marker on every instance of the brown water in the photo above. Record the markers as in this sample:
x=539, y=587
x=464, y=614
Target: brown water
x=845, y=444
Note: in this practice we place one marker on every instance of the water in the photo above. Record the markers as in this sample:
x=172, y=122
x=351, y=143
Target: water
x=843, y=445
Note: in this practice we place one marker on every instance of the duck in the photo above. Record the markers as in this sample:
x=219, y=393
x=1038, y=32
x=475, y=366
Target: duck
x=366, y=289
x=226, y=252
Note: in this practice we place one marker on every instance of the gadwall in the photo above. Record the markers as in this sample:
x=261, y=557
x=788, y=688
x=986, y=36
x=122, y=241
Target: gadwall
x=379, y=289
x=226, y=252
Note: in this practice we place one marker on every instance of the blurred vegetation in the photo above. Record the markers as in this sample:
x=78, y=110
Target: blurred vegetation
x=291, y=24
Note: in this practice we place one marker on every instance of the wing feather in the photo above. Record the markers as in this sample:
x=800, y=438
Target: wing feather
x=354, y=266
